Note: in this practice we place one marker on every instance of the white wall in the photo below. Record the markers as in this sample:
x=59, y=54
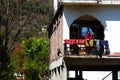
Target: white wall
x=55, y=2
x=59, y=74
x=108, y=15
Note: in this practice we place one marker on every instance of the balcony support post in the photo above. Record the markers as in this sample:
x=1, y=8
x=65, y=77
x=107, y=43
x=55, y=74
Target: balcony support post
x=80, y=74
x=114, y=75
x=76, y=74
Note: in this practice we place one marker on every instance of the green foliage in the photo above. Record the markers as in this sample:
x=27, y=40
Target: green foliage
x=19, y=19
x=36, y=58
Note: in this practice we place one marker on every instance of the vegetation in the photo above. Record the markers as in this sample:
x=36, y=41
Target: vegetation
x=36, y=58
x=19, y=19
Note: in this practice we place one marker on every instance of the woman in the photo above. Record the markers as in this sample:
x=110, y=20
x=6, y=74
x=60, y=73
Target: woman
x=88, y=36
x=89, y=42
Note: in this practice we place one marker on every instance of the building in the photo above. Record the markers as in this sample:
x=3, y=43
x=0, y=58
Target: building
x=69, y=50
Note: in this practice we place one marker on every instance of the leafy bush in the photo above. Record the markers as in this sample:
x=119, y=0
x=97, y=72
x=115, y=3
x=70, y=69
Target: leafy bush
x=35, y=58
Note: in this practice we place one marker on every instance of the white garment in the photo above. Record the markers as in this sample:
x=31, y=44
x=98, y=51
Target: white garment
x=97, y=44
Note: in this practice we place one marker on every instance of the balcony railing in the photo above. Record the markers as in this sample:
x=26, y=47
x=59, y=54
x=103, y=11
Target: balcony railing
x=90, y=1
x=82, y=47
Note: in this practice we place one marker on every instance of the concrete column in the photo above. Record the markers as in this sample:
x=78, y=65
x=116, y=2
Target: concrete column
x=55, y=5
x=80, y=74
x=114, y=75
x=76, y=74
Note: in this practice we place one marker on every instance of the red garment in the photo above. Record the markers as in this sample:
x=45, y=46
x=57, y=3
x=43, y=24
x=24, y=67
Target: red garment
x=88, y=36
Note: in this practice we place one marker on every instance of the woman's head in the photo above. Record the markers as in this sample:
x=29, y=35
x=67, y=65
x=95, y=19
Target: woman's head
x=88, y=32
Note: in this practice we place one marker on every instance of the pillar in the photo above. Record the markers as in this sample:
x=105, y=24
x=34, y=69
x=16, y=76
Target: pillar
x=114, y=75
x=76, y=74
x=80, y=74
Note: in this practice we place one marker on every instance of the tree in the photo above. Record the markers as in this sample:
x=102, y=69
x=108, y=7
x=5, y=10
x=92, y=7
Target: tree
x=16, y=17
x=35, y=58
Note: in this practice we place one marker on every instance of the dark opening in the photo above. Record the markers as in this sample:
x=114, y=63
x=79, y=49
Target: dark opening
x=80, y=26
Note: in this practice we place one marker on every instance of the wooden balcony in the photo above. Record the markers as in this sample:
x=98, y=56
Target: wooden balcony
x=72, y=2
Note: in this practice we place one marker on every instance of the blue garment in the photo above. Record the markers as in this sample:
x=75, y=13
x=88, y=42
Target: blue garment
x=104, y=43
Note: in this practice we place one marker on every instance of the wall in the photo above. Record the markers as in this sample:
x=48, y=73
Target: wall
x=108, y=15
x=56, y=40
x=55, y=5
x=59, y=73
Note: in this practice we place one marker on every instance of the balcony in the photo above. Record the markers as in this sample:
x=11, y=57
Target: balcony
x=81, y=47
x=89, y=2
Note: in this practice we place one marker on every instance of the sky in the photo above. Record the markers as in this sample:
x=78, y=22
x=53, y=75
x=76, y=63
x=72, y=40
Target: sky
x=85, y=29
x=96, y=75
x=93, y=75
